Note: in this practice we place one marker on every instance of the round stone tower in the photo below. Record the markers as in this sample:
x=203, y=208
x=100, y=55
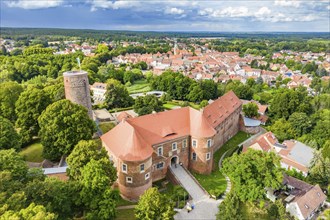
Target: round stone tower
x=76, y=87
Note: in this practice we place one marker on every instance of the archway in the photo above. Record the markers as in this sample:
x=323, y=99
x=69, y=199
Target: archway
x=174, y=160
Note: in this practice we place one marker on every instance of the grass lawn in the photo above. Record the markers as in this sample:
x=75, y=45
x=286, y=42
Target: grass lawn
x=106, y=126
x=169, y=106
x=139, y=86
x=125, y=214
x=123, y=202
x=215, y=183
x=33, y=152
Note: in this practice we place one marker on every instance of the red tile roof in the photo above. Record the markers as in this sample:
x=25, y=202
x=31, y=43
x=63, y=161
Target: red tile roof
x=133, y=138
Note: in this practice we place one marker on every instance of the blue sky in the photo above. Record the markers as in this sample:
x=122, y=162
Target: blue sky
x=149, y=15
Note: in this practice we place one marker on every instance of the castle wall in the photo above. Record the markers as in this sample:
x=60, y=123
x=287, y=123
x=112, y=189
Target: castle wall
x=203, y=161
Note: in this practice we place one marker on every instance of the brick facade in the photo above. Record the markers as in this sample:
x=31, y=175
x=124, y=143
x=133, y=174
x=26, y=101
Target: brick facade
x=192, y=144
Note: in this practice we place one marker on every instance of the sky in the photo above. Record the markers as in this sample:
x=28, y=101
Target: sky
x=179, y=15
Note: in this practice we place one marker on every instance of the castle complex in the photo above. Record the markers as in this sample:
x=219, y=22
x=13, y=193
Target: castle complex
x=76, y=87
x=142, y=148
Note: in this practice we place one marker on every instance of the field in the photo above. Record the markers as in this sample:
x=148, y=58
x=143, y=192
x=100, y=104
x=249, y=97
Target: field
x=33, y=152
x=139, y=86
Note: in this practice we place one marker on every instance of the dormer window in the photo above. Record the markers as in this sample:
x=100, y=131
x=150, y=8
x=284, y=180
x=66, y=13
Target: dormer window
x=306, y=206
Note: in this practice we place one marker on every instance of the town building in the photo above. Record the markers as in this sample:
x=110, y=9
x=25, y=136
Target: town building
x=294, y=154
x=143, y=148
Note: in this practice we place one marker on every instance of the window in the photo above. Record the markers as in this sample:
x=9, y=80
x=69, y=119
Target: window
x=209, y=142
x=194, y=143
x=142, y=168
x=194, y=156
x=124, y=168
x=129, y=179
x=147, y=176
x=208, y=156
x=160, y=151
x=174, y=146
x=160, y=165
x=184, y=143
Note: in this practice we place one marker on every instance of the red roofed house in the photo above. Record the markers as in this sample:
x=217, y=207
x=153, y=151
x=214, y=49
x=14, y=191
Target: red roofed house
x=142, y=148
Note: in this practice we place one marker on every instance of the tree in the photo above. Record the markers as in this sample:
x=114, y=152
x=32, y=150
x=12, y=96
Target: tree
x=320, y=169
x=82, y=153
x=301, y=123
x=152, y=205
x=9, y=93
x=9, y=137
x=278, y=211
x=33, y=211
x=55, y=195
x=147, y=104
x=229, y=208
x=203, y=103
x=117, y=95
x=282, y=129
x=252, y=172
x=62, y=125
x=14, y=163
x=97, y=176
x=102, y=48
x=250, y=110
x=29, y=106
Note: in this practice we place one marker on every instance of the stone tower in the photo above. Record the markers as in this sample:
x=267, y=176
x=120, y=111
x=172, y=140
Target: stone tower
x=76, y=87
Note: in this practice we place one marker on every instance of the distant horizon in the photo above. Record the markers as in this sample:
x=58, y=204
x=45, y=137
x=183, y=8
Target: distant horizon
x=158, y=31
x=169, y=16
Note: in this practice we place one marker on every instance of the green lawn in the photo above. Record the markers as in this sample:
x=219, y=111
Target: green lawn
x=123, y=202
x=215, y=183
x=125, y=214
x=106, y=126
x=169, y=106
x=139, y=86
x=33, y=152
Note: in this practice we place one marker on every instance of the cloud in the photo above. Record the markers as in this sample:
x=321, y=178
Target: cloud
x=231, y=12
x=34, y=4
x=287, y=3
x=174, y=11
x=264, y=11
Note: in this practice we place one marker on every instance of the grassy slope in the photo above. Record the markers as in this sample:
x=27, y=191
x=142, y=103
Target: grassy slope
x=33, y=152
x=139, y=86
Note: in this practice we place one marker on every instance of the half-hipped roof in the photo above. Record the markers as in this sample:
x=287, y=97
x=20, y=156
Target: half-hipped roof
x=133, y=138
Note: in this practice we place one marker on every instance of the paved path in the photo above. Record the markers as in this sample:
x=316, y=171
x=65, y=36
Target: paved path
x=205, y=208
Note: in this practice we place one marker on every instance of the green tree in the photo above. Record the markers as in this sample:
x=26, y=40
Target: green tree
x=9, y=93
x=29, y=106
x=117, y=95
x=82, y=153
x=250, y=110
x=13, y=162
x=301, y=123
x=32, y=212
x=320, y=169
x=203, y=103
x=229, y=208
x=252, y=172
x=97, y=176
x=152, y=205
x=62, y=125
x=102, y=48
x=282, y=129
x=146, y=104
x=9, y=137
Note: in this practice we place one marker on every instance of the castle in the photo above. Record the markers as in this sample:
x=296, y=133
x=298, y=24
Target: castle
x=142, y=148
